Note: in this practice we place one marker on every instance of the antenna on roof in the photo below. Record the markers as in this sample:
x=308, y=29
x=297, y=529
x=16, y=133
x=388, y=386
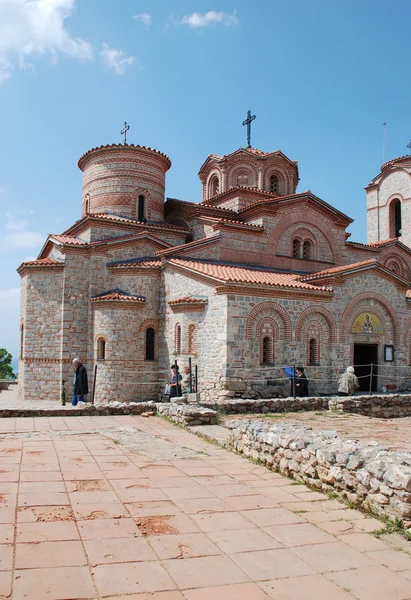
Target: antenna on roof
x=384, y=143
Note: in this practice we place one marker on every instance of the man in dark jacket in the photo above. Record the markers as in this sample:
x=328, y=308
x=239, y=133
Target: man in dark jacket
x=301, y=383
x=80, y=384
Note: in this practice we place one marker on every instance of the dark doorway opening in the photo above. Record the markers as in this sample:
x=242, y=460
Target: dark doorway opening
x=366, y=355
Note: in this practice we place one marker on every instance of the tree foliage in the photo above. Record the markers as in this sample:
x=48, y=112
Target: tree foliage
x=6, y=370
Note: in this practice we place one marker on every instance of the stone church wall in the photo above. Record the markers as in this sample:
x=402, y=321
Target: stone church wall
x=41, y=313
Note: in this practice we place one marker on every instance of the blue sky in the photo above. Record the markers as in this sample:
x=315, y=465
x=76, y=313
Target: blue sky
x=321, y=76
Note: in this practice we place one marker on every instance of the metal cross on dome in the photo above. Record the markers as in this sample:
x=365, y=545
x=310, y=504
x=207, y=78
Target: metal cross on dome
x=409, y=146
x=124, y=131
x=248, y=123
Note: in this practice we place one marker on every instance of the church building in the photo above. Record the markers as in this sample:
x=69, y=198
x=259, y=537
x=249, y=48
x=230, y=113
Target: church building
x=256, y=276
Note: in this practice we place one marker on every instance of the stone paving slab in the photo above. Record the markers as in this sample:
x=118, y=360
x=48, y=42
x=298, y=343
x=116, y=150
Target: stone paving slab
x=124, y=507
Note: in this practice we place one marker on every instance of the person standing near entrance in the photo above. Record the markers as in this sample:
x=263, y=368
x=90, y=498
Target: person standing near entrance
x=301, y=383
x=348, y=383
x=80, y=383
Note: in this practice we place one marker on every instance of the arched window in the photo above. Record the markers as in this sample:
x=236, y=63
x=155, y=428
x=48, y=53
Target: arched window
x=307, y=250
x=215, y=186
x=150, y=343
x=397, y=219
x=177, y=344
x=101, y=349
x=86, y=204
x=140, y=213
x=22, y=340
x=192, y=339
x=267, y=350
x=274, y=187
x=313, y=352
x=296, y=249
x=242, y=179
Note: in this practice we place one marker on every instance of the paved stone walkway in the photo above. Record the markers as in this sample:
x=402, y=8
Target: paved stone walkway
x=137, y=509
x=393, y=433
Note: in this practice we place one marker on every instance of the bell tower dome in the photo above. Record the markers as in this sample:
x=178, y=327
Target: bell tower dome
x=124, y=180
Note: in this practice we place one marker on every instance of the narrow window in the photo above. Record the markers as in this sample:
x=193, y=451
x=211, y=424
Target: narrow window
x=101, y=349
x=22, y=341
x=397, y=216
x=192, y=339
x=178, y=339
x=307, y=254
x=215, y=186
x=313, y=354
x=150, y=341
x=274, y=184
x=296, y=249
x=267, y=351
x=140, y=215
x=242, y=179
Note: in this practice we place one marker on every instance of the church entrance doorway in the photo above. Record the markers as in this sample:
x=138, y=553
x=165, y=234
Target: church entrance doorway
x=366, y=355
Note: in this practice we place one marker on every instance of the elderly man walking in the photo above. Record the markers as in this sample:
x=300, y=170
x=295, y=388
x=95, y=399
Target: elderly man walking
x=80, y=384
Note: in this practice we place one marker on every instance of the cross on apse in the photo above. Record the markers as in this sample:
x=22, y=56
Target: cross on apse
x=248, y=123
x=124, y=131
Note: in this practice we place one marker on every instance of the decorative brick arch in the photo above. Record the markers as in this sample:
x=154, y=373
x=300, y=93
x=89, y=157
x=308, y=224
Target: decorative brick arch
x=271, y=306
x=319, y=310
x=148, y=323
x=353, y=305
x=308, y=219
x=145, y=192
x=239, y=165
x=406, y=332
x=393, y=259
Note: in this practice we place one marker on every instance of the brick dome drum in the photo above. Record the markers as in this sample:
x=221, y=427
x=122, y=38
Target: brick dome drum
x=124, y=180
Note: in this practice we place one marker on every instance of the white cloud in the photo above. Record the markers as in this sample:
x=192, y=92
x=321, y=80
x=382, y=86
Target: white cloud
x=197, y=20
x=115, y=59
x=36, y=27
x=145, y=18
x=18, y=235
x=10, y=312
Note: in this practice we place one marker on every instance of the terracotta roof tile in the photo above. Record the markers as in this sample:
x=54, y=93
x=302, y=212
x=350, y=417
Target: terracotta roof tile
x=46, y=262
x=337, y=270
x=236, y=188
x=136, y=262
x=236, y=274
x=117, y=295
x=68, y=240
x=187, y=300
x=395, y=160
x=121, y=146
x=120, y=219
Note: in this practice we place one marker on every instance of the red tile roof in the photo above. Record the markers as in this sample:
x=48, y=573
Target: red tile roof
x=237, y=188
x=395, y=160
x=235, y=274
x=41, y=263
x=122, y=147
x=68, y=240
x=338, y=270
x=109, y=217
x=136, y=263
x=187, y=300
x=117, y=295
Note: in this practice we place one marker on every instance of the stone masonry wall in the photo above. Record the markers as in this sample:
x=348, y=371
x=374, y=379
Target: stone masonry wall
x=365, y=474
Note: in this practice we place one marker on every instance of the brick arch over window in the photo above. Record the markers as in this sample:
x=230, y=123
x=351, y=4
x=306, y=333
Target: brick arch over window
x=144, y=206
x=177, y=338
x=101, y=347
x=307, y=239
x=270, y=307
x=397, y=265
x=192, y=339
x=283, y=182
x=312, y=311
x=234, y=170
x=267, y=328
x=406, y=332
x=148, y=323
x=213, y=186
x=313, y=335
x=352, y=307
x=307, y=219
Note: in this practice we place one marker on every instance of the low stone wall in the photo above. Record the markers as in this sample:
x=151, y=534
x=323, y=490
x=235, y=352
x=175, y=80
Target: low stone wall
x=187, y=414
x=366, y=474
x=232, y=406
x=387, y=406
x=86, y=410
